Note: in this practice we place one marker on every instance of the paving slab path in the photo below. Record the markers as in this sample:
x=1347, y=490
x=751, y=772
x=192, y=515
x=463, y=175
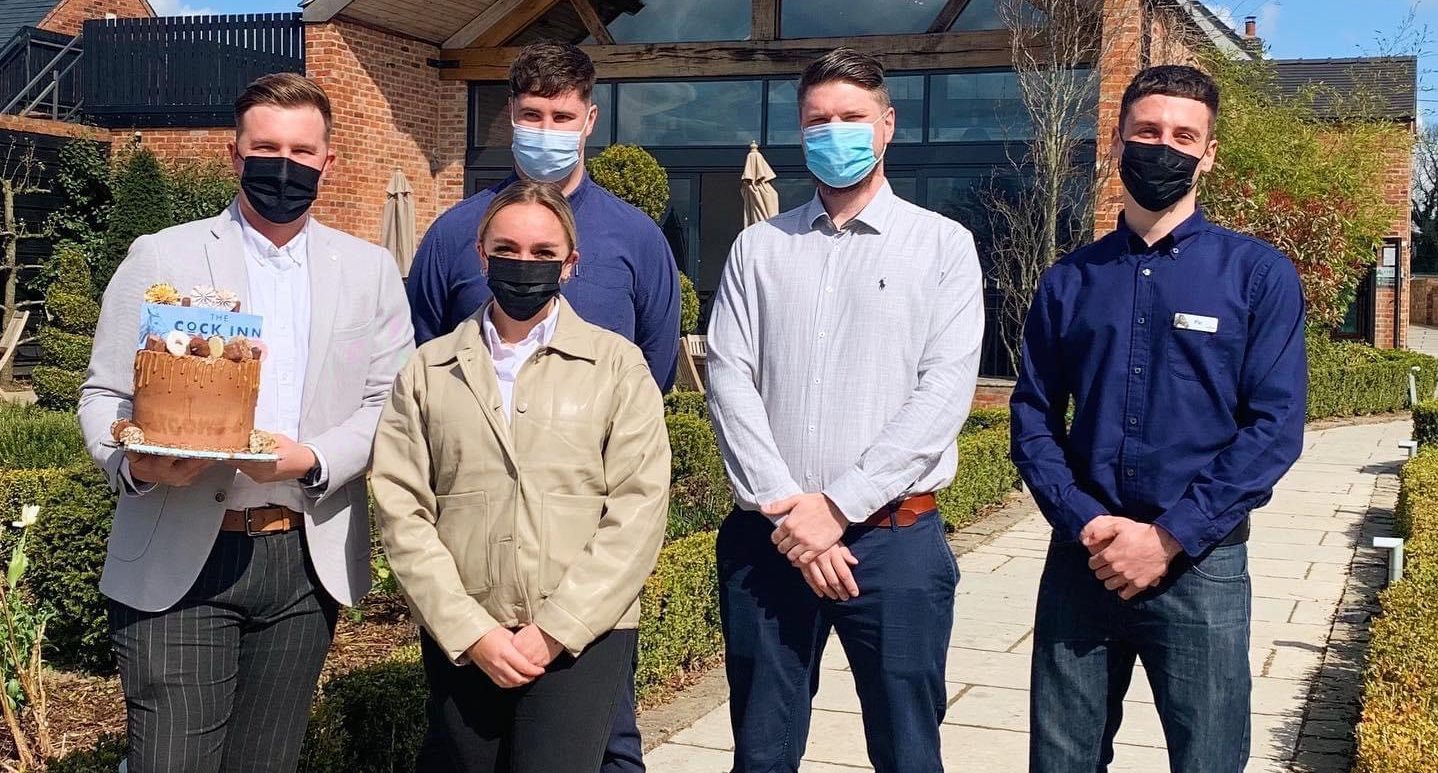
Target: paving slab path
x=1303, y=551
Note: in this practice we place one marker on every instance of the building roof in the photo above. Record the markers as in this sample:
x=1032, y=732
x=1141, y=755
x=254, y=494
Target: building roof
x=1213, y=29
x=15, y=14
x=1392, y=81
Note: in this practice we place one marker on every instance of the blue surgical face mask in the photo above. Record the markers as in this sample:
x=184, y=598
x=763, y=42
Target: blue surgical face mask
x=546, y=155
x=840, y=154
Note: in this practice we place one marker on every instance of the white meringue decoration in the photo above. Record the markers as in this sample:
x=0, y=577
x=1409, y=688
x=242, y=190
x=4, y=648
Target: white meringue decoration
x=207, y=297
x=177, y=343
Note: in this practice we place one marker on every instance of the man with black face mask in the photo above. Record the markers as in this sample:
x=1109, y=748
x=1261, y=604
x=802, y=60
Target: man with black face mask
x=1179, y=347
x=225, y=578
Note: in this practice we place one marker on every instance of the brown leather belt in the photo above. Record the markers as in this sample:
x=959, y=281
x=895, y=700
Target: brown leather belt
x=905, y=512
x=262, y=520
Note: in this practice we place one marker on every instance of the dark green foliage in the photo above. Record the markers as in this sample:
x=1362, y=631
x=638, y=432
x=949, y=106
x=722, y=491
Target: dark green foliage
x=688, y=402
x=983, y=418
x=67, y=351
x=82, y=181
x=56, y=389
x=201, y=189
x=67, y=552
x=34, y=438
x=986, y=476
x=370, y=719
x=72, y=312
x=679, y=627
x=143, y=204
x=1347, y=379
x=629, y=172
x=1425, y=422
x=699, y=495
x=688, y=306
x=66, y=340
x=104, y=757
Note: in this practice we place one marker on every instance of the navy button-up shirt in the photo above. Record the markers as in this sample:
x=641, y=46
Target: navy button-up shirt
x=1185, y=367
x=626, y=280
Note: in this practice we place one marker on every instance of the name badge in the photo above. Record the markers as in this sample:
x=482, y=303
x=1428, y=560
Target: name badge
x=1195, y=322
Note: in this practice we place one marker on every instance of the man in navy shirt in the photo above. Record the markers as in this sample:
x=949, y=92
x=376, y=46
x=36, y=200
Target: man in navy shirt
x=626, y=280
x=1179, y=347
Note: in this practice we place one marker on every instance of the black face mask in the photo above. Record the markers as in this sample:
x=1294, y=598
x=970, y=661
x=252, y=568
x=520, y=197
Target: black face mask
x=279, y=189
x=523, y=287
x=1156, y=175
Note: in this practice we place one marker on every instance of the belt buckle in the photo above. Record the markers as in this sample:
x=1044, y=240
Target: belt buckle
x=249, y=524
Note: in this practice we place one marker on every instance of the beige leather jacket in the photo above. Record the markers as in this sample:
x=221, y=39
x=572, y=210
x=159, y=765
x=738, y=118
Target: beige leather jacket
x=556, y=520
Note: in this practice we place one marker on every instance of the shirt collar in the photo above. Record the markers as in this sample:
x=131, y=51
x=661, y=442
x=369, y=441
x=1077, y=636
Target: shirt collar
x=1192, y=226
x=541, y=334
x=289, y=256
x=874, y=216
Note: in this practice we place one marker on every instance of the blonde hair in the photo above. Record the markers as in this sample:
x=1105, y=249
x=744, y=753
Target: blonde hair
x=283, y=89
x=548, y=195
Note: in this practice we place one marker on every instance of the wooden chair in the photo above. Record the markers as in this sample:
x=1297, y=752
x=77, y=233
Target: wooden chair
x=693, y=350
x=10, y=341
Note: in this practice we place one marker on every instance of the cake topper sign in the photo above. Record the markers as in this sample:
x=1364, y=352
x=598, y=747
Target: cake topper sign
x=159, y=319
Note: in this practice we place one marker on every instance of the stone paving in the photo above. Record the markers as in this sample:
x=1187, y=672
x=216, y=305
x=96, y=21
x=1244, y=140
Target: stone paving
x=1300, y=557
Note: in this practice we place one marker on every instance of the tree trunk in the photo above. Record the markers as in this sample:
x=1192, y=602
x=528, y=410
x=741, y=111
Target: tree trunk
x=12, y=271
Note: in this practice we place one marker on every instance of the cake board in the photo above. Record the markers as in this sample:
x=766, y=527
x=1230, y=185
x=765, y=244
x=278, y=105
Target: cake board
x=190, y=453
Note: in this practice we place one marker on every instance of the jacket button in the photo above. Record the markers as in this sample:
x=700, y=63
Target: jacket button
x=219, y=496
x=522, y=407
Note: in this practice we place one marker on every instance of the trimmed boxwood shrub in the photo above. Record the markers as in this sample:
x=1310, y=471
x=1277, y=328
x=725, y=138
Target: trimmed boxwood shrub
x=986, y=476
x=370, y=719
x=66, y=351
x=1398, y=731
x=1425, y=423
x=688, y=402
x=66, y=340
x=679, y=625
x=629, y=172
x=688, y=306
x=699, y=495
x=31, y=438
x=1346, y=379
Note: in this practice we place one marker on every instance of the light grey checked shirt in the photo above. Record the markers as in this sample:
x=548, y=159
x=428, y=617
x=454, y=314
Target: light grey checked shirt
x=844, y=361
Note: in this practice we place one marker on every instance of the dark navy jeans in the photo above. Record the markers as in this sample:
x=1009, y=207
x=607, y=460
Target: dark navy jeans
x=895, y=634
x=1191, y=633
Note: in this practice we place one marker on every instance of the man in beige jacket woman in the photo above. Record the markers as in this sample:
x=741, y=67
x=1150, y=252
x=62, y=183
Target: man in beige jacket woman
x=521, y=474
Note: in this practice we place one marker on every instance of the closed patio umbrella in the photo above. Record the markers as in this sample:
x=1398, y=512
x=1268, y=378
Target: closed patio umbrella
x=397, y=228
x=761, y=201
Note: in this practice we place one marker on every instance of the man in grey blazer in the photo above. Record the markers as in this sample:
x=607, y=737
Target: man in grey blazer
x=225, y=579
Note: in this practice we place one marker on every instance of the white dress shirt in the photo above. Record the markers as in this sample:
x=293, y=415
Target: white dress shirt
x=844, y=360
x=510, y=358
x=279, y=292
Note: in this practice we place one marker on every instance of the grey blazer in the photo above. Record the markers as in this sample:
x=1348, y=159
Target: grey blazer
x=360, y=336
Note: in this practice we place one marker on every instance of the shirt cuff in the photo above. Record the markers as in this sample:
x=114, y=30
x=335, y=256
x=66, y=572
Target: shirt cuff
x=855, y=496
x=1079, y=509
x=129, y=486
x=1190, y=526
x=324, y=479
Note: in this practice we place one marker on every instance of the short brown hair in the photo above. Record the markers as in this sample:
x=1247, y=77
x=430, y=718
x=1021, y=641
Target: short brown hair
x=549, y=69
x=548, y=195
x=1171, y=80
x=849, y=66
x=283, y=89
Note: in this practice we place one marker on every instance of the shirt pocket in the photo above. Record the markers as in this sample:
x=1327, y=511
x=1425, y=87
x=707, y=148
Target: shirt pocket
x=1195, y=355
x=463, y=526
x=570, y=522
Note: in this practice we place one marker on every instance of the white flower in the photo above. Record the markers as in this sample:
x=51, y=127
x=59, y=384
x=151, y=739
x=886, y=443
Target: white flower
x=28, y=515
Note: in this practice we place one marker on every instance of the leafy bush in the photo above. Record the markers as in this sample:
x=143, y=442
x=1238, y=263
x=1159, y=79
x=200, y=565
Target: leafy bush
x=32, y=438
x=679, y=624
x=688, y=402
x=370, y=719
x=200, y=188
x=67, y=553
x=688, y=306
x=699, y=495
x=1346, y=379
x=1425, y=422
x=73, y=312
x=67, y=351
x=986, y=475
x=82, y=181
x=143, y=204
x=1398, y=731
x=629, y=172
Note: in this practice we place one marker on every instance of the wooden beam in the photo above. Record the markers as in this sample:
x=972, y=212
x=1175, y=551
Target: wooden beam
x=592, y=22
x=501, y=21
x=323, y=10
x=765, y=25
x=948, y=15
x=951, y=50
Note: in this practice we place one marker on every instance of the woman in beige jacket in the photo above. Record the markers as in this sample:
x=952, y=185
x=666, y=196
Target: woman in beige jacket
x=521, y=472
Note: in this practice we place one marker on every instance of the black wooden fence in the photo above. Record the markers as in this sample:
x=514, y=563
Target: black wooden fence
x=183, y=71
x=29, y=54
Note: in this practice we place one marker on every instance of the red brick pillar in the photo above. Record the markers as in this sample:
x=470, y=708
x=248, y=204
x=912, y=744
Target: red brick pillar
x=1122, y=52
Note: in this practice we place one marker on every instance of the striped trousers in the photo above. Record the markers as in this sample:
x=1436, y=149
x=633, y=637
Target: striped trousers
x=223, y=680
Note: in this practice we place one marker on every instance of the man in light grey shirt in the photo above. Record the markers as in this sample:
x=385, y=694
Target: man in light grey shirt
x=843, y=354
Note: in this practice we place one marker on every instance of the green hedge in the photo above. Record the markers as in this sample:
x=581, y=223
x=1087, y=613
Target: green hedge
x=72, y=311
x=679, y=627
x=32, y=437
x=1346, y=379
x=1425, y=422
x=1398, y=731
x=699, y=495
x=688, y=306
x=687, y=402
x=986, y=476
x=56, y=388
x=66, y=351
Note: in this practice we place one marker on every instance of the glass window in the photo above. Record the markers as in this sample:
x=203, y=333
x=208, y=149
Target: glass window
x=490, y=122
x=795, y=189
x=603, y=134
x=977, y=107
x=676, y=21
x=987, y=15
x=906, y=92
x=690, y=113
x=828, y=19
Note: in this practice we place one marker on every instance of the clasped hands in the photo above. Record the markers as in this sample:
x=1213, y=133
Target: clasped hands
x=514, y=659
x=809, y=538
x=1128, y=556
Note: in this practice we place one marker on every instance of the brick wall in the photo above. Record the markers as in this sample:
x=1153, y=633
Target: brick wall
x=1397, y=182
x=52, y=128
x=69, y=16
x=181, y=144
x=391, y=111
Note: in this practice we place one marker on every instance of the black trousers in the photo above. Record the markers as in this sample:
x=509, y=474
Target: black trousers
x=223, y=680
x=558, y=723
